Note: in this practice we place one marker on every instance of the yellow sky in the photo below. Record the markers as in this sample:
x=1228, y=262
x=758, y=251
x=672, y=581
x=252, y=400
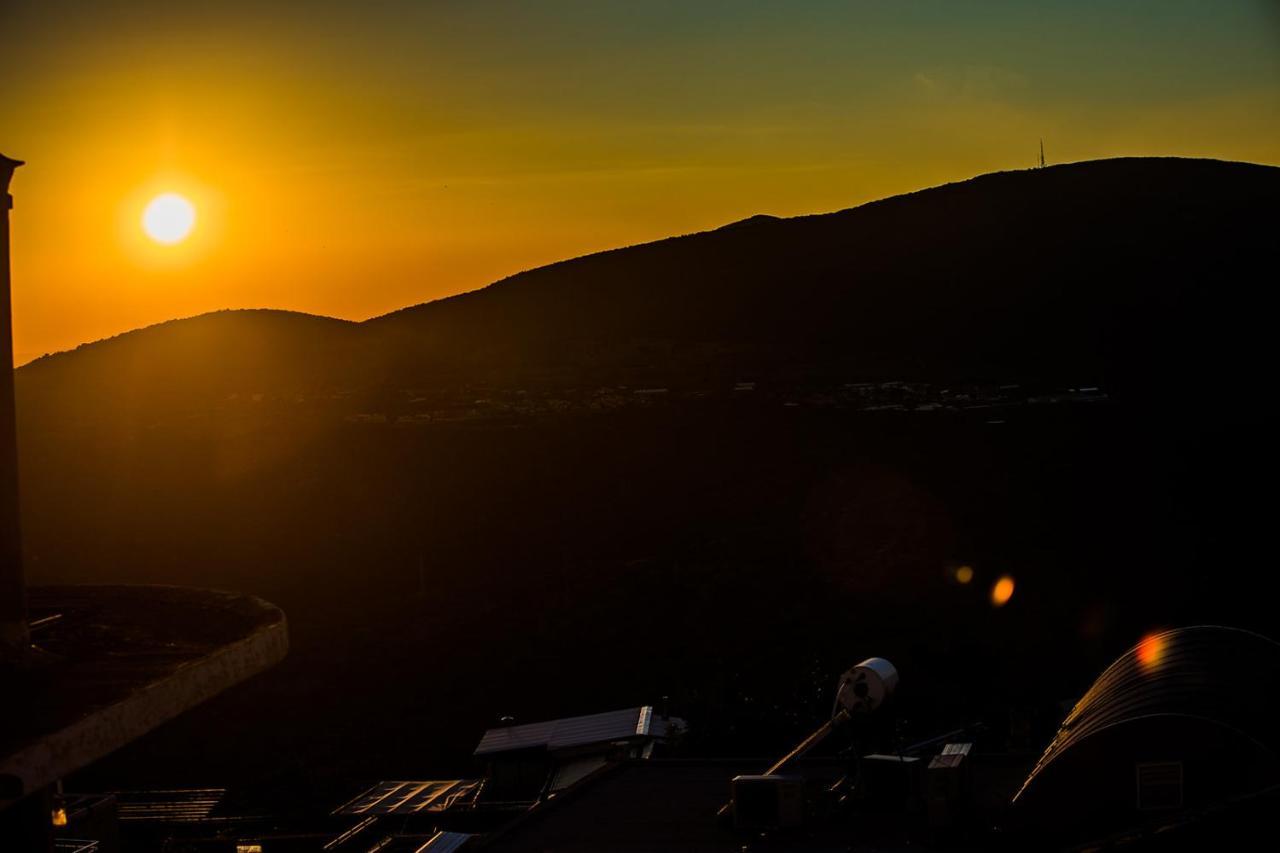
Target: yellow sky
x=351, y=165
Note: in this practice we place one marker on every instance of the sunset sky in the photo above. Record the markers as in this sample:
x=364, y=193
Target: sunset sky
x=351, y=158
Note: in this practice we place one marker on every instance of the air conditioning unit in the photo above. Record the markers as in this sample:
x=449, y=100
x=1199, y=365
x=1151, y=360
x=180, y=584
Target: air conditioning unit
x=767, y=802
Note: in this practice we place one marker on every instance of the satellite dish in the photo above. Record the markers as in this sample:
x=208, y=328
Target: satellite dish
x=865, y=687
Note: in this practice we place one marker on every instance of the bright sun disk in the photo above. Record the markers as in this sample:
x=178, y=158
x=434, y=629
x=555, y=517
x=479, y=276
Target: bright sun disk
x=168, y=218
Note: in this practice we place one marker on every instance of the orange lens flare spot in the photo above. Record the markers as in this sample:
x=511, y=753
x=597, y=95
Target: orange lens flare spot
x=964, y=574
x=1150, y=651
x=1002, y=591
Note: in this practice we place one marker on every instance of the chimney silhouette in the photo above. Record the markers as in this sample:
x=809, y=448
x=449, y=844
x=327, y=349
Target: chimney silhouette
x=15, y=638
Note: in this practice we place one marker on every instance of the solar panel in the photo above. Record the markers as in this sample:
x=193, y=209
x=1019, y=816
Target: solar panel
x=445, y=842
x=404, y=798
x=74, y=845
x=572, y=731
x=574, y=770
x=184, y=805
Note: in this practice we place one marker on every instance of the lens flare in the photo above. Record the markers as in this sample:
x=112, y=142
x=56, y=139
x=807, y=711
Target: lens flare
x=1002, y=591
x=1150, y=651
x=964, y=574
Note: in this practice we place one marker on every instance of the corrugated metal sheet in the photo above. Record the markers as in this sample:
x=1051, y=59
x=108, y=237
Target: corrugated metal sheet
x=573, y=731
x=1225, y=676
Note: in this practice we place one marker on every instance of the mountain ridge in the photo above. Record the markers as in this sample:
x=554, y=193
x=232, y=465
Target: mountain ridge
x=1075, y=268
x=755, y=219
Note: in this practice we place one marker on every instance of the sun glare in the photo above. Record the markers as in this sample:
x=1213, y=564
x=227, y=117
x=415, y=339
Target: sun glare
x=1150, y=651
x=168, y=218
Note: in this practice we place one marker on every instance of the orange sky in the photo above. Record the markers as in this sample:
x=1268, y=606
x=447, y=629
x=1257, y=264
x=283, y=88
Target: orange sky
x=350, y=159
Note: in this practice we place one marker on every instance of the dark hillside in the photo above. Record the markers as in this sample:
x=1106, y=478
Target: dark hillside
x=1123, y=270
x=169, y=368
x=1143, y=274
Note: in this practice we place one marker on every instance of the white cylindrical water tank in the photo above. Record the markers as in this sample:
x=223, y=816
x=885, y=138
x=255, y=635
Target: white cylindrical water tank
x=865, y=687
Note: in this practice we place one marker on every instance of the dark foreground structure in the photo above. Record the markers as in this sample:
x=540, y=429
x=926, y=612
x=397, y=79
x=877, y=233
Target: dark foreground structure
x=1171, y=749
x=13, y=622
x=1174, y=747
x=1179, y=730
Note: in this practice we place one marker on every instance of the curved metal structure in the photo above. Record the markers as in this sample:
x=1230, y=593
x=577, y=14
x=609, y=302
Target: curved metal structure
x=1198, y=705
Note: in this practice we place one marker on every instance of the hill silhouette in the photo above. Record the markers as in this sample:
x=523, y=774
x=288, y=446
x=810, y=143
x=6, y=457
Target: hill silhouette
x=211, y=354
x=1125, y=271
x=1115, y=269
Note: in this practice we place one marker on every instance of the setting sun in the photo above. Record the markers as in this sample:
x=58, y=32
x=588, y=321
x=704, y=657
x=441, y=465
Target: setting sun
x=168, y=218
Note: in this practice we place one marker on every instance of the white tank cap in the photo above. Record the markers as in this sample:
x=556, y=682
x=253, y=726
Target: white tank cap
x=865, y=687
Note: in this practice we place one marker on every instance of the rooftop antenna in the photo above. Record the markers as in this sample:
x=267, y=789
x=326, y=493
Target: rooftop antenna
x=1041, y=153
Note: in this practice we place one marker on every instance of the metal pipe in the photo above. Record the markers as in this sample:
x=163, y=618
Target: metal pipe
x=942, y=738
x=818, y=736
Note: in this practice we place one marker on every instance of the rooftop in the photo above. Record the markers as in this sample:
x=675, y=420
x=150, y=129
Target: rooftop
x=672, y=804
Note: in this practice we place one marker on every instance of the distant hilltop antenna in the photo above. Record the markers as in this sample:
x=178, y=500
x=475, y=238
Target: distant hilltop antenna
x=1041, y=153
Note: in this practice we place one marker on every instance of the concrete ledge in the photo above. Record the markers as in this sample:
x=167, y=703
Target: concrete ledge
x=126, y=659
